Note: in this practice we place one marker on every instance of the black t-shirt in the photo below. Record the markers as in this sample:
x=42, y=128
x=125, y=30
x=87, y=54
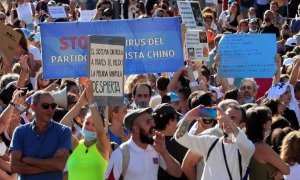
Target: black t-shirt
x=178, y=152
x=270, y=29
x=291, y=116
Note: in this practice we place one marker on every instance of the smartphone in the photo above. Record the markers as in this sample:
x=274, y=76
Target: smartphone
x=208, y=112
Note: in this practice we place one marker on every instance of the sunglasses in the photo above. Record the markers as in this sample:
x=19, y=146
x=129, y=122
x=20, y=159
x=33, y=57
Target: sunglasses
x=47, y=105
x=2, y=19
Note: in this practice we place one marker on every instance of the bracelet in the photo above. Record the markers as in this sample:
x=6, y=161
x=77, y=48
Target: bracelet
x=13, y=104
x=193, y=84
x=93, y=105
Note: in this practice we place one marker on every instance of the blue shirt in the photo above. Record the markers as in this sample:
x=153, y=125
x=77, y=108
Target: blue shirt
x=42, y=146
x=116, y=139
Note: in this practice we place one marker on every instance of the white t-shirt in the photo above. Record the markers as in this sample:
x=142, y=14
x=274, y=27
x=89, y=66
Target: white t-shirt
x=143, y=163
x=215, y=167
x=294, y=172
x=35, y=52
x=222, y=17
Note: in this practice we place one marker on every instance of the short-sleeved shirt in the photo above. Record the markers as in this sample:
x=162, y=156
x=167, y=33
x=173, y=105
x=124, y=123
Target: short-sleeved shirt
x=270, y=29
x=143, y=163
x=42, y=146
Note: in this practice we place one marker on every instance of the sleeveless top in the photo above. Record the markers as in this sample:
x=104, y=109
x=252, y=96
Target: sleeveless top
x=233, y=23
x=259, y=171
x=86, y=163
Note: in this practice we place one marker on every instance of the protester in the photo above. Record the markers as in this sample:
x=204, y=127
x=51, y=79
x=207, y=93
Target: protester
x=94, y=147
x=289, y=151
x=144, y=154
x=235, y=142
x=28, y=159
x=265, y=163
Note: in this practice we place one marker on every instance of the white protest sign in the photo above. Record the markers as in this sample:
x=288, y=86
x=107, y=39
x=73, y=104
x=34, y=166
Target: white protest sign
x=191, y=14
x=25, y=13
x=196, y=45
x=86, y=15
x=57, y=11
x=106, y=69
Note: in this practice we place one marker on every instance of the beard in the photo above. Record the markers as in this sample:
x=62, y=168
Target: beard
x=144, y=138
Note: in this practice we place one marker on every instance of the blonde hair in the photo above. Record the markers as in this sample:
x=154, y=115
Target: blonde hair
x=290, y=149
x=131, y=81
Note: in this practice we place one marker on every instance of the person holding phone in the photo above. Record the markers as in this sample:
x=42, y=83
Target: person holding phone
x=226, y=157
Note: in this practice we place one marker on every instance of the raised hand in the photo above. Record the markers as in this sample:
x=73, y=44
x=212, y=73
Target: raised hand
x=89, y=91
x=159, y=142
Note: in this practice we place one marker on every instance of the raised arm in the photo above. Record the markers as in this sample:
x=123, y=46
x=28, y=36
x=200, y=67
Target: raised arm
x=103, y=144
x=68, y=118
x=24, y=74
x=172, y=86
x=295, y=73
x=276, y=78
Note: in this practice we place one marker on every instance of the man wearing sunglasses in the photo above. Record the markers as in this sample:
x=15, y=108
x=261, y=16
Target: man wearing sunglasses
x=40, y=149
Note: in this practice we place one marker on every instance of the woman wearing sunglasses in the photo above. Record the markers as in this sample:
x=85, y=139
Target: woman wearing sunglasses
x=91, y=154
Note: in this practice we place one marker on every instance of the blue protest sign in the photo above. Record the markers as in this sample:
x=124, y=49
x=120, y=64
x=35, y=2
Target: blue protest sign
x=153, y=45
x=247, y=55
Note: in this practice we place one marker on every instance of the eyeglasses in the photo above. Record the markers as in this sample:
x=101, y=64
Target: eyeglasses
x=47, y=105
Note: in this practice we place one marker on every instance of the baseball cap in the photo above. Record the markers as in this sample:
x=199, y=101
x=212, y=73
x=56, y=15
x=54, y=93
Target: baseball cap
x=173, y=96
x=291, y=42
x=131, y=116
x=288, y=61
x=161, y=111
x=253, y=20
x=231, y=1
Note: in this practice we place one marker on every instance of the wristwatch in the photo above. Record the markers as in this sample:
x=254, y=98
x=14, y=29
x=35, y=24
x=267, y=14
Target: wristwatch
x=93, y=105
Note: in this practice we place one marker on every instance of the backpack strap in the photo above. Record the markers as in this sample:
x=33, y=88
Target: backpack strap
x=211, y=148
x=126, y=156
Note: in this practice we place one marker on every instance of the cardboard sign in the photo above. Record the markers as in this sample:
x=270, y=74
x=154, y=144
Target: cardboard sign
x=196, y=45
x=247, y=55
x=86, y=15
x=25, y=13
x=106, y=69
x=57, y=11
x=8, y=43
x=191, y=14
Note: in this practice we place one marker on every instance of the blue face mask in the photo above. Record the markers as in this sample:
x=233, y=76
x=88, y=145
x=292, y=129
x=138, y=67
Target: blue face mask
x=88, y=135
x=249, y=100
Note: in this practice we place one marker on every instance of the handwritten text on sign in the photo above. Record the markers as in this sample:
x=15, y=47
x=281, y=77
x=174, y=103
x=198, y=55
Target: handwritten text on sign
x=247, y=55
x=106, y=69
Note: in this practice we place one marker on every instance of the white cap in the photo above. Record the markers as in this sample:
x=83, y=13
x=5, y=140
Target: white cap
x=288, y=61
x=291, y=42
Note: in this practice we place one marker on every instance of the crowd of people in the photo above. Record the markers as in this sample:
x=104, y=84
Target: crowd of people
x=54, y=128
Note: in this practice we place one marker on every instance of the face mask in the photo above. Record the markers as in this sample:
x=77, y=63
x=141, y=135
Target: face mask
x=285, y=36
x=1, y=109
x=267, y=133
x=196, y=74
x=88, y=135
x=252, y=30
x=21, y=108
x=249, y=100
x=2, y=149
x=250, y=17
x=141, y=104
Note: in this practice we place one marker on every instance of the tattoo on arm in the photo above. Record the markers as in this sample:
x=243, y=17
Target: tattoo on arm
x=182, y=129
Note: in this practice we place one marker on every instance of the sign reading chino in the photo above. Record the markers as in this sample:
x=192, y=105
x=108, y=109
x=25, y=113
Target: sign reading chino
x=106, y=68
x=151, y=45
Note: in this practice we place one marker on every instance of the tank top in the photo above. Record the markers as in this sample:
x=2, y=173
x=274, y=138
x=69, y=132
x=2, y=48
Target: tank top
x=259, y=171
x=86, y=163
